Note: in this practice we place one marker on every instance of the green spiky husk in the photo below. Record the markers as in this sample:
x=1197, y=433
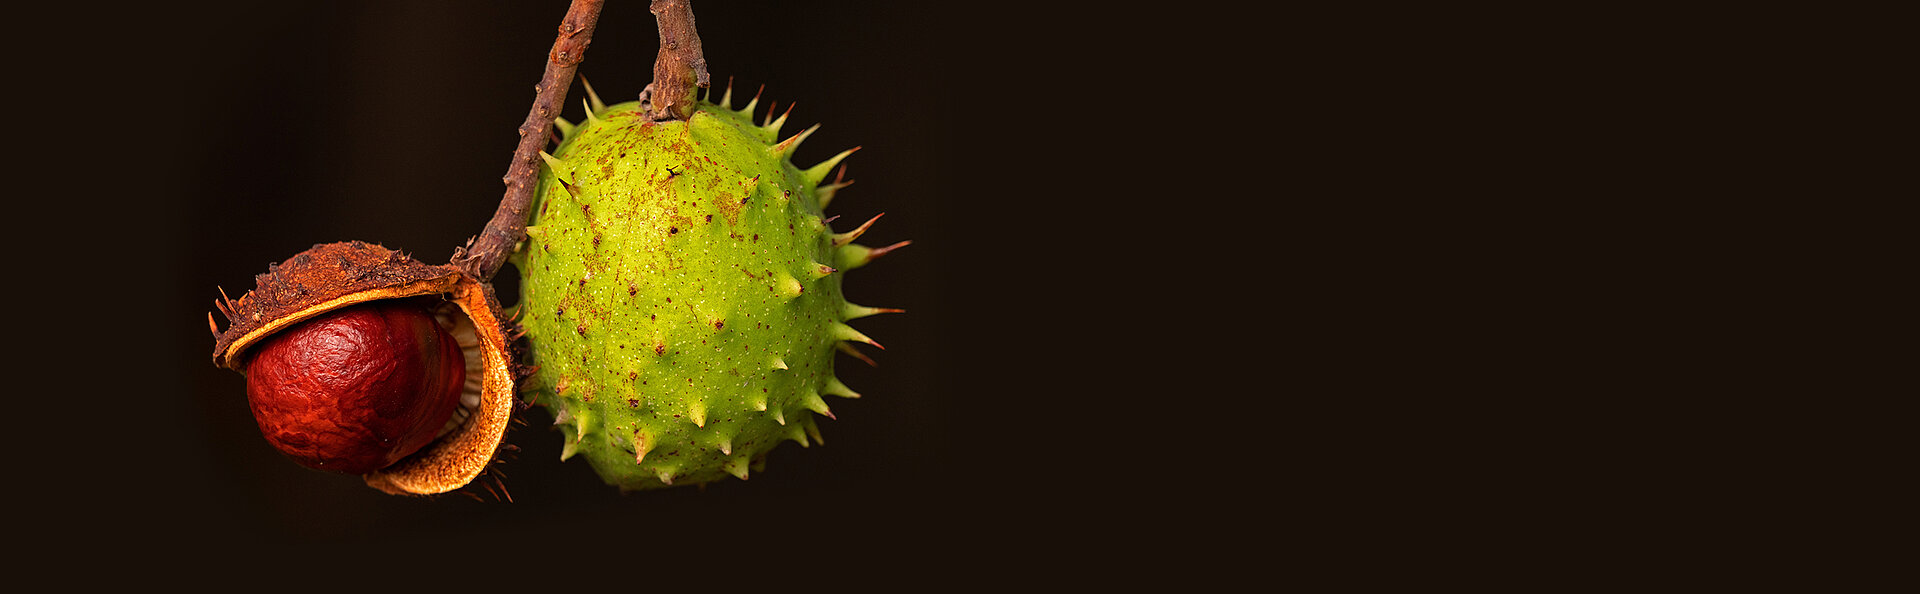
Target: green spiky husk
x=678, y=297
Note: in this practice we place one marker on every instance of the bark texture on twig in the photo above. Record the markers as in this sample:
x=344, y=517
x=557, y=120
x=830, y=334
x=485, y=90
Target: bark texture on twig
x=487, y=253
x=680, y=66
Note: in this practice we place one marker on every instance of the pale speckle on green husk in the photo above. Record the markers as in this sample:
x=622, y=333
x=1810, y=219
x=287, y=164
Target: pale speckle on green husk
x=677, y=271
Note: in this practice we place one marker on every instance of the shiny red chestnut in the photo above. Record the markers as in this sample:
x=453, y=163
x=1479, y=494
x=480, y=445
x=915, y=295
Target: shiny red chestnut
x=358, y=388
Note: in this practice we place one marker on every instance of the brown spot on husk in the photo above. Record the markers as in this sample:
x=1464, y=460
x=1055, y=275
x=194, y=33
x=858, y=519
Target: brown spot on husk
x=730, y=209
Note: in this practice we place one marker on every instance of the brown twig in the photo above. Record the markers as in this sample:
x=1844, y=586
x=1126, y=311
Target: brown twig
x=487, y=253
x=680, y=65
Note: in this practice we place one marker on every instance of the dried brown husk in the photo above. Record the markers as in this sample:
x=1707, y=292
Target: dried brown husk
x=330, y=276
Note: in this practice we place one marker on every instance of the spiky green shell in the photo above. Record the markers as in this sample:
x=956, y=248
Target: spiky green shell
x=680, y=295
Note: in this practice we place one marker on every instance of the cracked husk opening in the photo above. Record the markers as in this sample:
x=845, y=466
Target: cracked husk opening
x=455, y=459
x=331, y=276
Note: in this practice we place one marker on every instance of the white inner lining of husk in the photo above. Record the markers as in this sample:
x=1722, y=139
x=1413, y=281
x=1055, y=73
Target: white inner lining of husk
x=461, y=327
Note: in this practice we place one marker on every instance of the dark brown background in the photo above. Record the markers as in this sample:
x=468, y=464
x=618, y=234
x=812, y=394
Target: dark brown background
x=220, y=137
x=1193, y=289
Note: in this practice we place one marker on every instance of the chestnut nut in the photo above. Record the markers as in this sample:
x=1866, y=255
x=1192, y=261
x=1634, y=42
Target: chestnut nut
x=358, y=388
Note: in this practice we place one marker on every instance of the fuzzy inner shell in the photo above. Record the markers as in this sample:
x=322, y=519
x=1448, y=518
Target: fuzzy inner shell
x=676, y=296
x=466, y=337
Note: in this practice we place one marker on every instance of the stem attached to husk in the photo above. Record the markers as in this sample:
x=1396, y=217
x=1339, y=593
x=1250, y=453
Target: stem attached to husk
x=488, y=252
x=680, y=66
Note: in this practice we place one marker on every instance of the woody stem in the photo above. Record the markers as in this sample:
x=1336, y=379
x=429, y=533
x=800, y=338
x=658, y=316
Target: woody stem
x=488, y=252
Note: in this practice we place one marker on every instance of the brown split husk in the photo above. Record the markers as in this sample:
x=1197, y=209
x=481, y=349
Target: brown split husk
x=330, y=276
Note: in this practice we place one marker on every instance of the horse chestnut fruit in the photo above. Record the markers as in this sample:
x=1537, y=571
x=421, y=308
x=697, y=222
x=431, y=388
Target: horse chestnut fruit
x=358, y=388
